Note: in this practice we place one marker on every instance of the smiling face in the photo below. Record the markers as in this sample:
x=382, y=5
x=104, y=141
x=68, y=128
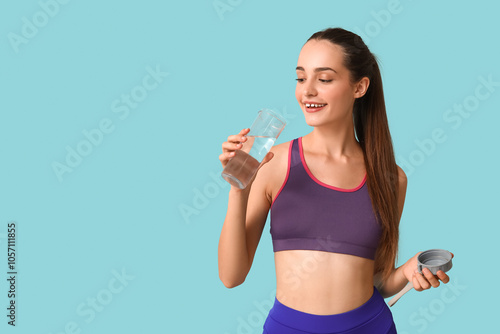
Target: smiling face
x=324, y=89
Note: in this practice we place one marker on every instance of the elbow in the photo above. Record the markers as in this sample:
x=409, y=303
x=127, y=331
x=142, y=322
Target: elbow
x=231, y=280
x=228, y=283
x=232, y=276
x=379, y=285
x=381, y=291
x=384, y=294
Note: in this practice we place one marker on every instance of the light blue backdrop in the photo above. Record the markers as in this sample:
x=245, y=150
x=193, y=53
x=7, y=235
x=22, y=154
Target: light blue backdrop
x=112, y=117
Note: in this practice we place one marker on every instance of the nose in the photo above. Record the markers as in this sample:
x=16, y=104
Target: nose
x=309, y=88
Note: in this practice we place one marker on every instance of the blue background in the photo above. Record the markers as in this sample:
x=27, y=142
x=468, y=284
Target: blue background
x=119, y=211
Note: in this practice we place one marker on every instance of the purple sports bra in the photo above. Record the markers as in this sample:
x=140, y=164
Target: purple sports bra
x=309, y=214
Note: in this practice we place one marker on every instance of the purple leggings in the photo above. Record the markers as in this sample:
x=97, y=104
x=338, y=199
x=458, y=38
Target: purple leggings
x=373, y=317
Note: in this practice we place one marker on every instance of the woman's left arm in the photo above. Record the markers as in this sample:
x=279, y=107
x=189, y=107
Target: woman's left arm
x=408, y=272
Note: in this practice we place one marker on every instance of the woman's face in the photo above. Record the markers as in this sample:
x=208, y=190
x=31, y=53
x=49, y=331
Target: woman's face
x=324, y=89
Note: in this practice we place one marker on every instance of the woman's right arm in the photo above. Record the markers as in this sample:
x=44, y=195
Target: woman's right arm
x=246, y=215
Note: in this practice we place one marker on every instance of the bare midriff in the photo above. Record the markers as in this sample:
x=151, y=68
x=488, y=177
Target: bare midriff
x=322, y=283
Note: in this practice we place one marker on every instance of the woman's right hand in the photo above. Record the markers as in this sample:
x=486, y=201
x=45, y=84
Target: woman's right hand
x=233, y=143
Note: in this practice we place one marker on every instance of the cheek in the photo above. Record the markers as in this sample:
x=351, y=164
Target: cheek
x=336, y=93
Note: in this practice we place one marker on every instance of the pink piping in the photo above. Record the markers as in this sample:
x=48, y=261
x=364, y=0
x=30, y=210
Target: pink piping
x=318, y=181
x=287, y=172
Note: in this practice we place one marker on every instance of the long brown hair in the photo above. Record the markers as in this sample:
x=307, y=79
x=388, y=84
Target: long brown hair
x=372, y=131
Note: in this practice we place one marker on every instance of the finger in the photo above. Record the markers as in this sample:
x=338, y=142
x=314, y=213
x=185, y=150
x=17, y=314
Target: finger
x=430, y=277
x=239, y=137
x=224, y=157
x=416, y=283
x=443, y=277
x=235, y=138
x=226, y=146
x=423, y=281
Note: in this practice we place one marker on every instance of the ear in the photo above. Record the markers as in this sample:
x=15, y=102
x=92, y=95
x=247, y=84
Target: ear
x=361, y=87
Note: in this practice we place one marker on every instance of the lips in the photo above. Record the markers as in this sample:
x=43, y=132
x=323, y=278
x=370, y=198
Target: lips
x=313, y=106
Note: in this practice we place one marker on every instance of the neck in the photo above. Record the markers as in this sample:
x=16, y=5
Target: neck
x=336, y=140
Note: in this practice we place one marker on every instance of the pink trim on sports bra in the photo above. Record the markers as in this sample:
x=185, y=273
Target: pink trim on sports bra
x=287, y=172
x=318, y=181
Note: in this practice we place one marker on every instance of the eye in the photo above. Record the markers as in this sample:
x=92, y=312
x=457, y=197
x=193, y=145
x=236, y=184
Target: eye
x=323, y=80
x=300, y=80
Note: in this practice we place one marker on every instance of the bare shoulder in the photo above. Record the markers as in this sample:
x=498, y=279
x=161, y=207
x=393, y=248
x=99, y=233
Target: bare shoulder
x=403, y=180
x=280, y=158
x=402, y=190
x=273, y=173
x=281, y=149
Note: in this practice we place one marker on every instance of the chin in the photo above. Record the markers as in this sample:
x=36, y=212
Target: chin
x=320, y=118
x=315, y=120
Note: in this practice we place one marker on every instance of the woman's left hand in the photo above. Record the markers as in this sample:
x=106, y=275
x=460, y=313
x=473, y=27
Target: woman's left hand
x=425, y=280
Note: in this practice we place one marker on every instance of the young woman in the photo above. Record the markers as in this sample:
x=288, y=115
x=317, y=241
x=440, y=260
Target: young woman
x=336, y=197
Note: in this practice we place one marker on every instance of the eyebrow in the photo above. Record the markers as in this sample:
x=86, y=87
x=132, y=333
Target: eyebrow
x=317, y=69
